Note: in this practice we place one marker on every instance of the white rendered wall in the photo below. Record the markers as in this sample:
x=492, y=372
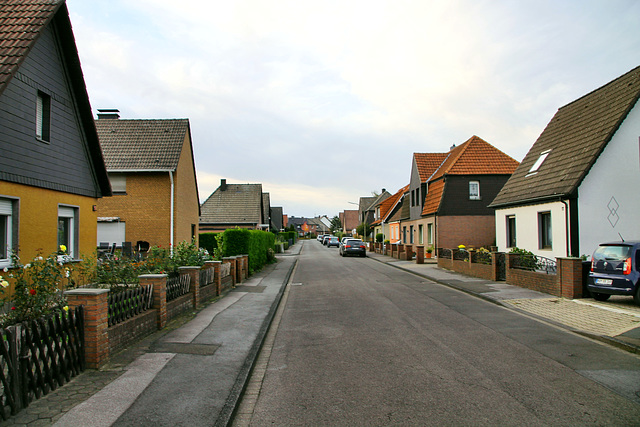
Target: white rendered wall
x=609, y=197
x=527, y=229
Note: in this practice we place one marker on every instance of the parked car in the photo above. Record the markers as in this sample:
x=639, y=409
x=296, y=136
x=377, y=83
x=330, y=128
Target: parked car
x=326, y=238
x=615, y=270
x=320, y=237
x=333, y=241
x=344, y=239
x=353, y=247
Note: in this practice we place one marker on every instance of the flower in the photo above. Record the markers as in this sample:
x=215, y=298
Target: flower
x=32, y=291
x=63, y=248
x=65, y=308
x=4, y=284
x=67, y=273
x=5, y=269
x=461, y=246
x=13, y=308
x=27, y=266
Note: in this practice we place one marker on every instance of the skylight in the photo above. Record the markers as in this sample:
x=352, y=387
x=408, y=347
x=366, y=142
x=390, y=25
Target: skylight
x=538, y=163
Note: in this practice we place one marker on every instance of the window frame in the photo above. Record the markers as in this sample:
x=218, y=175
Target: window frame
x=477, y=186
x=430, y=234
x=43, y=117
x=511, y=234
x=545, y=231
x=8, y=210
x=70, y=214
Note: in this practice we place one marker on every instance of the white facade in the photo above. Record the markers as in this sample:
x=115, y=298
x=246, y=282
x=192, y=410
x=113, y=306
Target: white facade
x=527, y=228
x=609, y=197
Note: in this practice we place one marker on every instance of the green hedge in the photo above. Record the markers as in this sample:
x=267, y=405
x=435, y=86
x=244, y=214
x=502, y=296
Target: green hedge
x=260, y=245
x=286, y=235
x=208, y=241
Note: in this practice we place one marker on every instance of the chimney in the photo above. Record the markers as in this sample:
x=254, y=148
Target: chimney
x=108, y=113
x=223, y=184
x=452, y=147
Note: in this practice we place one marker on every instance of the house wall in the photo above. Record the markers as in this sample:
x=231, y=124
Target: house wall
x=527, y=228
x=415, y=211
x=145, y=208
x=456, y=198
x=608, y=201
x=187, y=206
x=62, y=164
x=38, y=220
x=469, y=230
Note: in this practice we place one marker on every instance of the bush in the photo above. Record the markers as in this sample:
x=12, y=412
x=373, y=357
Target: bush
x=235, y=241
x=209, y=242
x=379, y=237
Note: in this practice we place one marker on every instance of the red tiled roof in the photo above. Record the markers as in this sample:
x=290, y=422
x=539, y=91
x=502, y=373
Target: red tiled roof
x=388, y=204
x=433, y=198
x=428, y=163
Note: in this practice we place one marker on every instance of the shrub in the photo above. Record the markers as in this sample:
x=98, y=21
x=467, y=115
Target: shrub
x=209, y=242
x=235, y=241
x=379, y=237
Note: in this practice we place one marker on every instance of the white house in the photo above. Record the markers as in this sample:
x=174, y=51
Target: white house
x=578, y=185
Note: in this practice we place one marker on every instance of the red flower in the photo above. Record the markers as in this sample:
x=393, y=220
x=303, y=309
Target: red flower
x=32, y=291
x=13, y=308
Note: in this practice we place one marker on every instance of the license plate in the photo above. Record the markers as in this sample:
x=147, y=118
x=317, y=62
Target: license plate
x=606, y=282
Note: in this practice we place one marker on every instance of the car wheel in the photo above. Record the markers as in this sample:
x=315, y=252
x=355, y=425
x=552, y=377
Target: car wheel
x=600, y=297
x=636, y=296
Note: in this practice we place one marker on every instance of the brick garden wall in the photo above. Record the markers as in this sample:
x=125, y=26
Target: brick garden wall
x=541, y=282
x=132, y=330
x=179, y=305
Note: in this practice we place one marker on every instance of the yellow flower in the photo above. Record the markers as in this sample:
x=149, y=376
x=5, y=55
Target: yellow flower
x=65, y=308
x=63, y=248
x=461, y=246
x=4, y=284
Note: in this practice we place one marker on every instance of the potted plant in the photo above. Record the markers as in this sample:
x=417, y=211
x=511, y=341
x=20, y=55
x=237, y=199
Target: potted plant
x=429, y=251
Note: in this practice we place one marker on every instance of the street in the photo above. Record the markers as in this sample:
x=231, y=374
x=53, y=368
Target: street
x=361, y=343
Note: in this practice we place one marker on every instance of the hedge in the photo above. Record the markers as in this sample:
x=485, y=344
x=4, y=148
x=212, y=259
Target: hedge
x=260, y=245
x=208, y=241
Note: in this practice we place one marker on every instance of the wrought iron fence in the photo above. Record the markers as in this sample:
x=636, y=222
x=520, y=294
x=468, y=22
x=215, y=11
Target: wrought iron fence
x=444, y=253
x=126, y=304
x=534, y=263
x=207, y=277
x=461, y=255
x=39, y=356
x=482, y=257
x=178, y=286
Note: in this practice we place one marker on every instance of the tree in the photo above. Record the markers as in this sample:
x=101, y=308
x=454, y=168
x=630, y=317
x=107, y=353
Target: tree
x=364, y=230
x=335, y=224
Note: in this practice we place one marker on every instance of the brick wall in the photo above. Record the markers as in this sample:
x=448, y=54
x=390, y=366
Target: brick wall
x=131, y=330
x=187, y=204
x=178, y=306
x=474, y=231
x=547, y=283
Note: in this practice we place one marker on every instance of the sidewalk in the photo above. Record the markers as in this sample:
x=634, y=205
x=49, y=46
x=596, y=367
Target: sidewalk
x=191, y=373
x=616, y=321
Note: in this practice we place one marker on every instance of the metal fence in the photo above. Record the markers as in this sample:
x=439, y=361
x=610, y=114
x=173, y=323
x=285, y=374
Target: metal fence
x=39, y=356
x=460, y=255
x=482, y=257
x=126, y=304
x=178, y=286
x=534, y=263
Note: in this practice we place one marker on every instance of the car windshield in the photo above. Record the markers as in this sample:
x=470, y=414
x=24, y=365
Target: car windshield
x=612, y=253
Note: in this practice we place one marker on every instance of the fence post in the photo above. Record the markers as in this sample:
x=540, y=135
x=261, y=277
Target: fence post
x=95, y=303
x=508, y=261
x=420, y=254
x=194, y=288
x=570, y=277
x=246, y=266
x=231, y=260
x=159, y=282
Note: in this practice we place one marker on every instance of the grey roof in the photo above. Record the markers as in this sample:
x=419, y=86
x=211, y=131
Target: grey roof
x=21, y=24
x=237, y=204
x=149, y=144
x=576, y=135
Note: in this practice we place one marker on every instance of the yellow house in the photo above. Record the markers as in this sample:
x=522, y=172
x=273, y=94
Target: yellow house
x=52, y=173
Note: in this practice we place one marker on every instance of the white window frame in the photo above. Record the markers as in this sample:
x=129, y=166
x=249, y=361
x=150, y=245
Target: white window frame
x=69, y=213
x=7, y=212
x=472, y=185
x=538, y=163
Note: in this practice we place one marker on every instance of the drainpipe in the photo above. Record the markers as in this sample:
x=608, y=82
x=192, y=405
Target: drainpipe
x=172, y=208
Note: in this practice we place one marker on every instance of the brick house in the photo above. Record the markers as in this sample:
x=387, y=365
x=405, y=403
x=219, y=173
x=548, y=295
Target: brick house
x=450, y=195
x=153, y=176
x=388, y=222
x=349, y=220
x=52, y=173
x=235, y=205
x=577, y=185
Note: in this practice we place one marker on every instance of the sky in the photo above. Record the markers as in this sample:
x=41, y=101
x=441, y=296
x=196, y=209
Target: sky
x=326, y=102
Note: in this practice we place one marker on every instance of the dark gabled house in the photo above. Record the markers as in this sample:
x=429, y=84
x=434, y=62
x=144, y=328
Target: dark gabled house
x=52, y=173
x=389, y=211
x=152, y=172
x=234, y=205
x=277, y=220
x=577, y=186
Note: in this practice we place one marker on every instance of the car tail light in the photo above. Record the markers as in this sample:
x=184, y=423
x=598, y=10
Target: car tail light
x=593, y=263
x=626, y=267
x=347, y=246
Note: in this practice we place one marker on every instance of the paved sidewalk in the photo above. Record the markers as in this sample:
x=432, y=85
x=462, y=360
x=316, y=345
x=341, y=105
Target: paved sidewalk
x=191, y=373
x=616, y=321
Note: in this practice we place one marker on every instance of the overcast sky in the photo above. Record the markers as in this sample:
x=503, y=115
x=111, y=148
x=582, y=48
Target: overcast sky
x=325, y=101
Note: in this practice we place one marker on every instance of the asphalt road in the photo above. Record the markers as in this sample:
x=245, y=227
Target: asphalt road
x=361, y=343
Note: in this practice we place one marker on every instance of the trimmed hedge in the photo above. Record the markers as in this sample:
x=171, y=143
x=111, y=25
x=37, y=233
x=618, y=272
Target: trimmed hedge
x=286, y=235
x=259, y=245
x=209, y=242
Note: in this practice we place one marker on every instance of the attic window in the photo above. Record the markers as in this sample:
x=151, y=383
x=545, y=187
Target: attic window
x=43, y=117
x=538, y=163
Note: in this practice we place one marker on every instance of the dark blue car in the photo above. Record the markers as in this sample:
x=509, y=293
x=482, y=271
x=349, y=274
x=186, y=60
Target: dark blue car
x=614, y=270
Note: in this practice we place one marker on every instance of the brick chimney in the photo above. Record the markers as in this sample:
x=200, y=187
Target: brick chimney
x=223, y=184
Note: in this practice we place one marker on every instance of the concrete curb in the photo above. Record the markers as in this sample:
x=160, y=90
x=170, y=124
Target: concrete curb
x=231, y=404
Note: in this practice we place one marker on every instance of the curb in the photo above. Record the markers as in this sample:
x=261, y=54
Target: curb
x=231, y=404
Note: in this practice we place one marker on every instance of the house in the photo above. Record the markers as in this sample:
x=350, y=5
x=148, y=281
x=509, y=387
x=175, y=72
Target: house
x=367, y=208
x=52, y=173
x=234, y=205
x=277, y=218
x=349, y=220
x=389, y=211
x=449, y=195
x=153, y=177
x=577, y=185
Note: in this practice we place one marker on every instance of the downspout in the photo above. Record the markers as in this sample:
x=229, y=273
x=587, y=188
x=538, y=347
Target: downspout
x=566, y=226
x=172, y=209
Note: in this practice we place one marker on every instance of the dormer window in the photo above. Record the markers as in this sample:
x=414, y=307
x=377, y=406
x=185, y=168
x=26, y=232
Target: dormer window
x=538, y=163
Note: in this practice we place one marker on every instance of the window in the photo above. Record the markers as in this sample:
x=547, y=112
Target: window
x=430, y=234
x=6, y=231
x=411, y=234
x=418, y=196
x=118, y=183
x=413, y=197
x=43, y=117
x=420, y=231
x=404, y=234
x=474, y=190
x=67, y=229
x=511, y=231
x=544, y=230
x=538, y=163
